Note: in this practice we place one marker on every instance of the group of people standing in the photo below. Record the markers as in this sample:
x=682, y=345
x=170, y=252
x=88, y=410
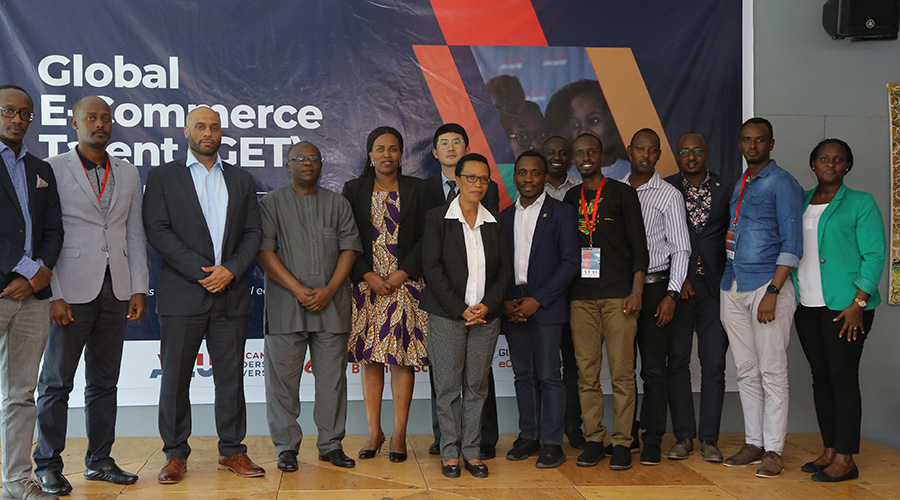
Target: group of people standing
x=401, y=272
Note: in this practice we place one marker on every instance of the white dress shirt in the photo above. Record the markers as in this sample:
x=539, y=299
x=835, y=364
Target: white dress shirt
x=213, y=195
x=475, y=260
x=809, y=274
x=525, y=222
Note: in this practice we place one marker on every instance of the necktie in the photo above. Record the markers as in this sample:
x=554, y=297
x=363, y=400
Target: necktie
x=452, y=192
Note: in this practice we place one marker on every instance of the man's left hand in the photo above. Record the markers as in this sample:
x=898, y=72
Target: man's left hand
x=664, y=311
x=766, y=312
x=217, y=280
x=137, y=306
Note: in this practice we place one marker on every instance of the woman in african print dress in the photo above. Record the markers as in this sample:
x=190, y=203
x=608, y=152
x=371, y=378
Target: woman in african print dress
x=388, y=326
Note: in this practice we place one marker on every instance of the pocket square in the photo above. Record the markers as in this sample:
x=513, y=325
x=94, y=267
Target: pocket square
x=41, y=183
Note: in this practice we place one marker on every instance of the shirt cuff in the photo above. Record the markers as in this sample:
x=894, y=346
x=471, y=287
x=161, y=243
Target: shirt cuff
x=787, y=259
x=27, y=267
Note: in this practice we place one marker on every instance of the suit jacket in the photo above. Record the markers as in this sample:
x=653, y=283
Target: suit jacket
x=709, y=244
x=554, y=260
x=90, y=237
x=414, y=204
x=491, y=200
x=177, y=230
x=46, y=221
x=851, y=248
x=446, y=269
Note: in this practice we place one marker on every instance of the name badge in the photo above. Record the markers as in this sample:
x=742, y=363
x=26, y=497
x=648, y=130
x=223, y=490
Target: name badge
x=730, y=244
x=590, y=262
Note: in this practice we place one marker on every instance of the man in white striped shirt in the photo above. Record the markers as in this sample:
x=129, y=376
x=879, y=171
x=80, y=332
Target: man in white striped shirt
x=668, y=242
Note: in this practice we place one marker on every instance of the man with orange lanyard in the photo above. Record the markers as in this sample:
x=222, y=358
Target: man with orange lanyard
x=606, y=299
x=99, y=283
x=763, y=244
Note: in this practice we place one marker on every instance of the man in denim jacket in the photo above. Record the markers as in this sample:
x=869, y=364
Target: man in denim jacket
x=763, y=244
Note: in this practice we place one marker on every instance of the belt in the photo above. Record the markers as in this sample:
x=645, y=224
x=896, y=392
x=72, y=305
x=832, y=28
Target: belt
x=656, y=277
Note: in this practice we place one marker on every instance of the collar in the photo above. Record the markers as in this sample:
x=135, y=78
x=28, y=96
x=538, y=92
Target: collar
x=655, y=181
x=191, y=160
x=444, y=179
x=89, y=164
x=687, y=184
x=22, y=152
x=768, y=169
x=455, y=212
x=539, y=202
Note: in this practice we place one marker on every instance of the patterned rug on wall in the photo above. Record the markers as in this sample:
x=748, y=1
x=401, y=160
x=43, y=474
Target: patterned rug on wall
x=894, y=109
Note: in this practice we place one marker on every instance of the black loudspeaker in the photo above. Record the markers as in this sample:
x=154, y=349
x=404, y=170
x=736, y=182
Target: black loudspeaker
x=861, y=19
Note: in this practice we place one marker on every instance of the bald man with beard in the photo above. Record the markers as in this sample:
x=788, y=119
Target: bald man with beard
x=201, y=216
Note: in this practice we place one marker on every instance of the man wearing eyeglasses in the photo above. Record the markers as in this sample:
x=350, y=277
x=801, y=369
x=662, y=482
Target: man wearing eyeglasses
x=451, y=142
x=310, y=242
x=706, y=204
x=662, y=208
x=31, y=236
x=98, y=284
x=763, y=244
x=201, y=216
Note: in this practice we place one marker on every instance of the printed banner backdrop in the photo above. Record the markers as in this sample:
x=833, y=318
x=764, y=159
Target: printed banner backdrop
x=512, y=72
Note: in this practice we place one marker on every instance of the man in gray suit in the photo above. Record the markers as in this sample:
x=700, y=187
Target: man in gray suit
x=99, y=283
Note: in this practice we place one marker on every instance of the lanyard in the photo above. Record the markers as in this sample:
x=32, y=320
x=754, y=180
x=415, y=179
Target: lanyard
x=105, y=178
x=584, y=209
x=737, y=209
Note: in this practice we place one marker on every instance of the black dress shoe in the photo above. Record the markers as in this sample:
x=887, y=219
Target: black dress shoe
x=55, y=483
x=287, y=461
x=487, y=452
x=812, y=467
x=365, y=454
x=338, y=459
x=824, y=477
x=435, y=448
x=451, y=471
x=111, y=474
x=480, y=470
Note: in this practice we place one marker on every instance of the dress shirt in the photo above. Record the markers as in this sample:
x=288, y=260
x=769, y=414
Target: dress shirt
x=559, y=193
x=809, y=272
x=475, y=261
x=768, y=232
x=446, y=186
x=525, y=222
x=213, y=195
x=697, y=201
x=665, y=224
x=16, y=168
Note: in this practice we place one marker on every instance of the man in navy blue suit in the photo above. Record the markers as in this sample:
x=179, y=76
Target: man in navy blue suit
x=544, y=245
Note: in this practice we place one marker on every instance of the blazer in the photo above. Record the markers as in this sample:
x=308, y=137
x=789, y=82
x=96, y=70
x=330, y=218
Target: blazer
x=709, y=244
x=46, y=221
x=177, y=230
x=90, y=237
x=491, y=200
x=414, y=204
x=851, y=248
x=446, y=269
x=554, y=260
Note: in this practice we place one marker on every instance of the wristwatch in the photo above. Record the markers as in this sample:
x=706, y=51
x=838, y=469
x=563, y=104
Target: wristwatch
x=860, y=302
x=772, y=289
x=674, y=295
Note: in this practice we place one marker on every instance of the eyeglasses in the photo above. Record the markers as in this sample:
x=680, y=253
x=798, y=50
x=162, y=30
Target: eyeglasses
x=445, y=144
x=472, y=179
x=526, y=139
x=696, y=151
x=302, y=159
x=11, y=113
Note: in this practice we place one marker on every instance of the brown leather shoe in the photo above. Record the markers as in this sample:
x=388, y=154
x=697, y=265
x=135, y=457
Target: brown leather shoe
x=771, y=465
x=240, y=464
x=748, y=454
x=173, y=472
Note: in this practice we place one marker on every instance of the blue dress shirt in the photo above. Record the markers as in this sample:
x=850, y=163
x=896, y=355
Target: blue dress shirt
x=213, y=195
x=769, y=231
x=16, y=168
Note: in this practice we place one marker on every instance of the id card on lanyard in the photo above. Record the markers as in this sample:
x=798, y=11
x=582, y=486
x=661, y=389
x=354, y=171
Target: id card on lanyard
x=590, y=256
x=732, y=236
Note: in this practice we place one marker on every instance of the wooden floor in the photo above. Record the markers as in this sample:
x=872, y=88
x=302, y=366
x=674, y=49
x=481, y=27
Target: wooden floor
x=419, y=478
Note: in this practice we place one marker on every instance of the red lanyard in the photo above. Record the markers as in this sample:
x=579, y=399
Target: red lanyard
x=584, y=209
x=737, y=209
x=105, y=178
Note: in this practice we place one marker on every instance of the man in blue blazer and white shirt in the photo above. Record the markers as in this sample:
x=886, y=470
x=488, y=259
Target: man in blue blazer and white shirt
x=545, y=257
x=98, y=284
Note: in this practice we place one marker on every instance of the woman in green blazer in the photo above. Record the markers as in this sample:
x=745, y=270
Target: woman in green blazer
x=837, y=288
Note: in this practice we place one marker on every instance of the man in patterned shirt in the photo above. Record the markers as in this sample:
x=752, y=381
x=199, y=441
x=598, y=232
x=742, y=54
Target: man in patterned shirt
x=706, y=201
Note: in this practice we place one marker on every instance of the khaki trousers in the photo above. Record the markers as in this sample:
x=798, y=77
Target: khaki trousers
x=594, y=322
